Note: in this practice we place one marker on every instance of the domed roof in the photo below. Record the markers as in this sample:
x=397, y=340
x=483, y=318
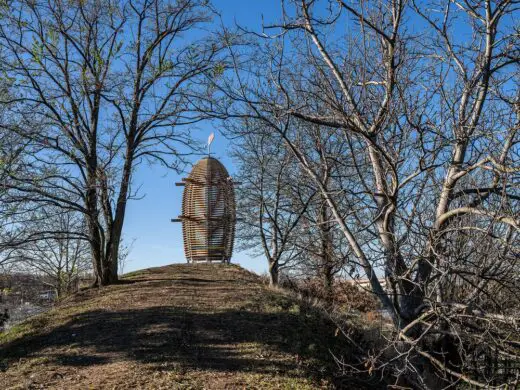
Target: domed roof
x=208, y=166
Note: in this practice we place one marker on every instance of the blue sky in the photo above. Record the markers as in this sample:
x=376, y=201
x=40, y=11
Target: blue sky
x=156, y=240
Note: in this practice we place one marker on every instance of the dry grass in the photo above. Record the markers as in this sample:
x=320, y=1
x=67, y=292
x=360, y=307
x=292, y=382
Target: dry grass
x=174, y=327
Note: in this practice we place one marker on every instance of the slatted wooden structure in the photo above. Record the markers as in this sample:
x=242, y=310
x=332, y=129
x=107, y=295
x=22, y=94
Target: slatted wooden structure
x=208, y=213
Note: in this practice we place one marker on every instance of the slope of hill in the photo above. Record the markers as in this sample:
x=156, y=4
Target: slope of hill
x=180, y=327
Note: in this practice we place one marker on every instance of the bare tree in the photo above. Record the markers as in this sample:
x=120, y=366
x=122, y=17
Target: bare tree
x=270, y=202
x=431, y=124
x=61, y=259
x=11, y=157
x=100, y=87
x=283, y=214
x=324, y=252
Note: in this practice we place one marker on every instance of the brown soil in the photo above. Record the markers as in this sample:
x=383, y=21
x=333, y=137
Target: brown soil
x=175, y=327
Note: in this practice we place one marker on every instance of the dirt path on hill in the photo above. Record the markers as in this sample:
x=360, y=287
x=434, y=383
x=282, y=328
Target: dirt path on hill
x=174, y=327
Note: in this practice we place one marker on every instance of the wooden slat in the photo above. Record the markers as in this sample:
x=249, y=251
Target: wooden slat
x=208, y=212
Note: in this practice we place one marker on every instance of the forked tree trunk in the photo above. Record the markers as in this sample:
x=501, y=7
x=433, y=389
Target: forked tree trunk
x=274, y=273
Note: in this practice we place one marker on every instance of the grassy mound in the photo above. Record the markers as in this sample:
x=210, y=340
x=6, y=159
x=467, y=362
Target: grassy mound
x=180, y=326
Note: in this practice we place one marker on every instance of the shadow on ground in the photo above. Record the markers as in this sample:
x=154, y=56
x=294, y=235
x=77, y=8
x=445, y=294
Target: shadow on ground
x=169, y=335
x=292, y=341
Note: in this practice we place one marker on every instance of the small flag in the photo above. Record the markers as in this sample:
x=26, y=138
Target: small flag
x=211, y=138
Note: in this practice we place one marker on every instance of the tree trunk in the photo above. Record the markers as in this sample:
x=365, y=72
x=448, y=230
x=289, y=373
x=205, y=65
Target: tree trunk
x=326, y=258
x=327, y=282
x=59, y=285
x=109, y=276
x=95, y=249
x=274, y=273
x=119, y=219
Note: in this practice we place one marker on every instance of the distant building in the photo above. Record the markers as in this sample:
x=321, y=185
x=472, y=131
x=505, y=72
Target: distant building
x=365, y=283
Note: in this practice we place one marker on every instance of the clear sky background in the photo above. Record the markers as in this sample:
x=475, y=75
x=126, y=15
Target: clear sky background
x=156, y=240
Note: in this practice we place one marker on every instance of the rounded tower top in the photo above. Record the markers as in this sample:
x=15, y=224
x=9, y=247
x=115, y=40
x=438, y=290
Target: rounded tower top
x=209, y=169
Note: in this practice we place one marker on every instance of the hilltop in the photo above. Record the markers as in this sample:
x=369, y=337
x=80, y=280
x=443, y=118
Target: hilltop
x=181, y=326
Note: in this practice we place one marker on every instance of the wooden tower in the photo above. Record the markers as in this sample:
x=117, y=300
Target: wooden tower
x=208, y=213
